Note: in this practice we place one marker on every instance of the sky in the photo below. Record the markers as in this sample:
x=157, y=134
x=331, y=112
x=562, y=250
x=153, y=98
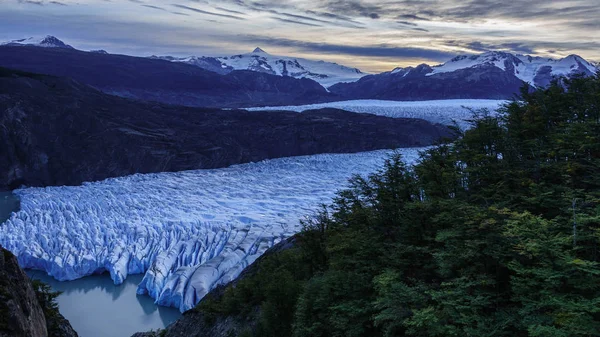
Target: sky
x=374, y=36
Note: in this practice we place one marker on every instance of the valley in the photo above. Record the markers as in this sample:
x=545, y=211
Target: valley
x=147, y=188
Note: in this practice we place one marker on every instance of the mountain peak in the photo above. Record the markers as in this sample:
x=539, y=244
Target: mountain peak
x=46, y=41
x=258, y=50
x=53, y=41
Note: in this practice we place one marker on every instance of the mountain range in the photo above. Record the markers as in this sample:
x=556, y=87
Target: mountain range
x=492, y=75
x=161, y=81
x=260, y=79
x=325, y=73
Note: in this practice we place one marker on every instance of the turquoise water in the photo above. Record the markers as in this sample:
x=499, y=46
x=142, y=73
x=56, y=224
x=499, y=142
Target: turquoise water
x=8, y=203
x=97, y=308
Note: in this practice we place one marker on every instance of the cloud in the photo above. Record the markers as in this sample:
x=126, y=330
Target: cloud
x=406, y=23
x=412, y=17
x=355, y=8
x=155, y=7
x=296, y=22
x=378, y=50
x=354, y=31
x=229, y=10
x=32, y=2
x=207, y=12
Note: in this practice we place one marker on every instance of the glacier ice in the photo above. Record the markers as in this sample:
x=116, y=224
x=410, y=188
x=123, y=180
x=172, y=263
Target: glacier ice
x=437, y=111
x=186, y=232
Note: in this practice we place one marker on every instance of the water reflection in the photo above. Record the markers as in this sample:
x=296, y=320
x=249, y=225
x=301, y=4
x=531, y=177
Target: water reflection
x=8, y=203
x=96, y=307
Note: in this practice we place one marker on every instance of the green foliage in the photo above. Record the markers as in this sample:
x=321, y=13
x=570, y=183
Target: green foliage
x=274, y=287
x=497, y=234
x=47, y=298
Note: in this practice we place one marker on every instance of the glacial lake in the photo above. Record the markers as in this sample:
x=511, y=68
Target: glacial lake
x=97, y=308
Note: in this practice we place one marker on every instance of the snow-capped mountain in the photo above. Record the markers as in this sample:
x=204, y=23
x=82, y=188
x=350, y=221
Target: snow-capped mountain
x=326, y=73
x=48, y=41
x=538, y=71
x=492, y=75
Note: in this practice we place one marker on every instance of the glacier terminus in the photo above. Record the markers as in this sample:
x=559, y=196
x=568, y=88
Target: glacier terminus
x=187, y=232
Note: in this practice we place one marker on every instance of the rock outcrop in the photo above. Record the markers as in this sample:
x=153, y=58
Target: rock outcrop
x=21, y=313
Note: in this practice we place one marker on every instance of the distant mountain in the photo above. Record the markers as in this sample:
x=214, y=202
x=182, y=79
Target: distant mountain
x=262, y=79
x=492, y=75
x=326, y=73
x=168, y=82
x=48, y=41
x=537, y=71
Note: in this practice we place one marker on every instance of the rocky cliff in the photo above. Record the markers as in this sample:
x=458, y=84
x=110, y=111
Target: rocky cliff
x=21, y=311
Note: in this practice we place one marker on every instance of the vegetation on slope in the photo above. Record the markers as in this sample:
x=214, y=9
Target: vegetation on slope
x=28, y=308
x=496, y=234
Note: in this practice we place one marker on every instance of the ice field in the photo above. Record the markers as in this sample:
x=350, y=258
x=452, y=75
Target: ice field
x=438, y=111
x=186, y=232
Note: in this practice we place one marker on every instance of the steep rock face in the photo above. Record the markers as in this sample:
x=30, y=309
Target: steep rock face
x=20, y=310
x=163, y=81
x=58, y=132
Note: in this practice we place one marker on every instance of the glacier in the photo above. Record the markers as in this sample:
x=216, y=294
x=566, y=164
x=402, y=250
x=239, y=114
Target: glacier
x=187, y=232
x=435, y=111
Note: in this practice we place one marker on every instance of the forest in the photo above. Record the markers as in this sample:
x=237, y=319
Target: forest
x=494, y=234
